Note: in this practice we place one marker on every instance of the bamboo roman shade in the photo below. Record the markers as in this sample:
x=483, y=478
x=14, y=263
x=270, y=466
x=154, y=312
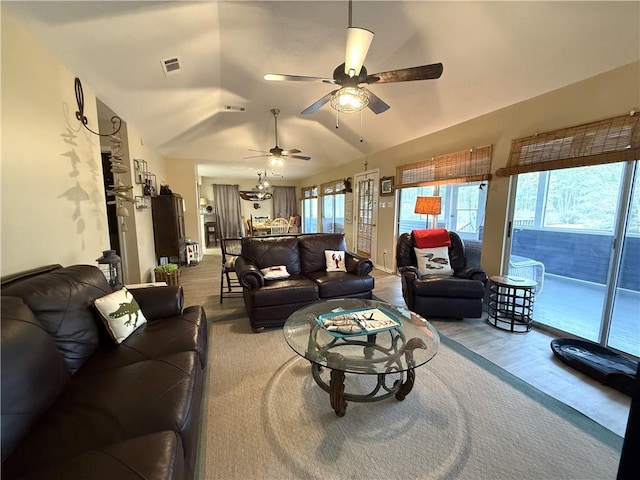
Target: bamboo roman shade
x=612, y=140
x=309, y=192
x=469, y=165
x=333, y=187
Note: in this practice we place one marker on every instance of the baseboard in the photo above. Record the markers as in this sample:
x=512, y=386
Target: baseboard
x=384, y=269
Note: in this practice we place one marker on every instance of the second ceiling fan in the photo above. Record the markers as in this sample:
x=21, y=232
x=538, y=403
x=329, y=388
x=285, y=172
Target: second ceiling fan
x=277, y=154
x=351, y=97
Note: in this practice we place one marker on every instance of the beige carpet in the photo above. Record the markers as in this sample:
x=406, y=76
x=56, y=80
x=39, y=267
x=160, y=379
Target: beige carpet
x=265, y=418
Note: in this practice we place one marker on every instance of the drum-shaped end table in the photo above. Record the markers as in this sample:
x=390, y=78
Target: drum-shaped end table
x=511, y=303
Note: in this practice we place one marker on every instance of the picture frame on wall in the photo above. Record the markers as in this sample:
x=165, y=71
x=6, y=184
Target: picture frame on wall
x=386, y=186
x=140, y=170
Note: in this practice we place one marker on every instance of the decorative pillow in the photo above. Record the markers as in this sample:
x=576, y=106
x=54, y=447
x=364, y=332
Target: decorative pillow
x=433, y=261
x=276, y=272
x=335, y=260
x=434, y=237
x=121, y=313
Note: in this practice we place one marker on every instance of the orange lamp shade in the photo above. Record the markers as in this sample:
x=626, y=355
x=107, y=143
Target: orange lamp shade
x=428, y=205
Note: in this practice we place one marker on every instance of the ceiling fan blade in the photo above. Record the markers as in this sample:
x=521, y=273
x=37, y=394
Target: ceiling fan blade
x=358, y=43
x=277, y=77
x=259, y=151
x=423, y=72
x=256, y=156
x=376, y=105
x=299, y=157
x=289, y=152
x=313, y=108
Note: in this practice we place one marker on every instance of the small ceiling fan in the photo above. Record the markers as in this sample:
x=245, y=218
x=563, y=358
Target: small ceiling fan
x=351, y=97
x=276, y=153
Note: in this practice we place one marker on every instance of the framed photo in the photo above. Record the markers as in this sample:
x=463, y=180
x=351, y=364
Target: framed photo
x=140, y=167
x=386, y=186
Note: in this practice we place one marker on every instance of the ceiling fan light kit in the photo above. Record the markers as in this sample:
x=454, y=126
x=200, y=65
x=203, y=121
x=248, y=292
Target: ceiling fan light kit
x=350, y=100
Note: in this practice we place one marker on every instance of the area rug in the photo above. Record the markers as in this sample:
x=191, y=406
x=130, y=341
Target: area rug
x=265, y=418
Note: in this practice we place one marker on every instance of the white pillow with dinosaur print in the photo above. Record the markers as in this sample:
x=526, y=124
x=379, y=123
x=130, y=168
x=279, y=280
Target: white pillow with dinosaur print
x=121, y=313
x=433, y=261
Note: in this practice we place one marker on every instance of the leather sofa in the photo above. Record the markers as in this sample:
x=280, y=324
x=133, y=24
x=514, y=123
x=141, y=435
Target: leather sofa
x=431, y=296
x=75, y=404
x=270, y=302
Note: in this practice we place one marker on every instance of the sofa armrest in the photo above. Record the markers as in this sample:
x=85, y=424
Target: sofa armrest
x=357, y=264
x=409, y=275
x=159, y=302
x=248, y=274
x=471, y=273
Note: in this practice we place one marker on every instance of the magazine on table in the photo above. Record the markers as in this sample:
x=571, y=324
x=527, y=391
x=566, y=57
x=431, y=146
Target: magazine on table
x=358, y=321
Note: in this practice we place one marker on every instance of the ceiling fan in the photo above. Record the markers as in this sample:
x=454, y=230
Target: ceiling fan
x=351, y=97
x=277, y=154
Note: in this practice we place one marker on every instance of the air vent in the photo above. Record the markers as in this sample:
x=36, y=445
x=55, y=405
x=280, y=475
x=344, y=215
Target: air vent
x=232, y=108
x=170, y=66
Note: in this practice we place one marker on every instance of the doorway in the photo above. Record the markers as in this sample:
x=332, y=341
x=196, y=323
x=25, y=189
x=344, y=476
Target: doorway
x=365, y=228
x=112, y=219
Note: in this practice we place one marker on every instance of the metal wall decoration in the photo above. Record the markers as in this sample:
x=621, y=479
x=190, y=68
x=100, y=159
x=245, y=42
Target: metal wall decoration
x=115, y=120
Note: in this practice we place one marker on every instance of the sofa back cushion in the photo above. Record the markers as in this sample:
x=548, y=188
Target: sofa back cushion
x=267, y=252
x=62, y=301
x=312, y=247
x=33, y=371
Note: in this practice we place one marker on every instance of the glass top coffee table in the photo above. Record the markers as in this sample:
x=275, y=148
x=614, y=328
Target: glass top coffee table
x=393, y=342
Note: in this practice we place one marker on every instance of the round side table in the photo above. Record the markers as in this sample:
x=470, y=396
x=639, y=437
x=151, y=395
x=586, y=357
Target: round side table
x=511, y=303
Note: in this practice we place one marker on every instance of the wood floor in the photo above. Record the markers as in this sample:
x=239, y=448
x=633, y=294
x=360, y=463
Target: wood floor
x=528, y=356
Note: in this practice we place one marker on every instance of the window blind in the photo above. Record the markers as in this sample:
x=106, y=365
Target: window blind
x=470, y=165
x=615, y=139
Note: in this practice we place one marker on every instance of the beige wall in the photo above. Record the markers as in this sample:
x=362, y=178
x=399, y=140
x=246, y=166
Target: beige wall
x=53, y=201
x=606, y=95
x=143, y=259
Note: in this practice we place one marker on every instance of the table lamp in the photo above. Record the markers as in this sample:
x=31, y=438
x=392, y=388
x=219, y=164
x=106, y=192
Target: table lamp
x=428, y=206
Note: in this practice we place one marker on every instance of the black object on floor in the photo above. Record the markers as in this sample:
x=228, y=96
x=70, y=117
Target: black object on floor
x=601, y=363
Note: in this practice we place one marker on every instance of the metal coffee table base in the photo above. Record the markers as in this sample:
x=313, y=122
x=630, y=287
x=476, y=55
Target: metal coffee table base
x=338, y=397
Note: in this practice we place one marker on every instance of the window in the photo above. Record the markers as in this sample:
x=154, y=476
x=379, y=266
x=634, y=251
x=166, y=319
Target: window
x=333, y=207
x=310, y=209
x=463, y=207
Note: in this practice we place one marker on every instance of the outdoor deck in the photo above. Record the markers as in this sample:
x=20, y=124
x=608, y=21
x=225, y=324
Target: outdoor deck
x=576, y=306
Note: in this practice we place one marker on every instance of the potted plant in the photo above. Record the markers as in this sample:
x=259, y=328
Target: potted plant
x=169, y=272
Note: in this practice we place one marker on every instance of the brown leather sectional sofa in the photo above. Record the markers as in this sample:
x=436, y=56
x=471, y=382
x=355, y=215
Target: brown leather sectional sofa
x=75, y=405
x=270, y=302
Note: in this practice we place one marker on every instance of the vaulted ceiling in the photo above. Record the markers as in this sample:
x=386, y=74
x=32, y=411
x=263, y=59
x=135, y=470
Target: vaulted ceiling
x=494, y=53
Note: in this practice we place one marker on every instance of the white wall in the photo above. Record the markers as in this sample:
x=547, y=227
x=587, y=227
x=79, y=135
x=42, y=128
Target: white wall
x=53, y=201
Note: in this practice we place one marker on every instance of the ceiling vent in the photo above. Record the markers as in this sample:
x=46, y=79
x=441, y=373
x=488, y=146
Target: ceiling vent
x=170, y=66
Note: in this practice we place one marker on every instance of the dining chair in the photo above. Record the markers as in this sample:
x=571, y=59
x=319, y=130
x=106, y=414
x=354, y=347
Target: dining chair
x=231, y=249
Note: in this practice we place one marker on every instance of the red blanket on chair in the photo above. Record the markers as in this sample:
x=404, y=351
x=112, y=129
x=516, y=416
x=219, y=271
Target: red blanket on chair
x=434, y=237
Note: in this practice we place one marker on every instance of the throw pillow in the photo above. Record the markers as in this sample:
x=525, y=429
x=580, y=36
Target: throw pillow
x=434, y=237
x=121, y=313
x=275, y=273
x=433, y=261
x=335, y=260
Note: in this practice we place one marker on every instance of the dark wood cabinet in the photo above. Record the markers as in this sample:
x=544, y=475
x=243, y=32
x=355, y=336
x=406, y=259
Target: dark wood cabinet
x=168, y=228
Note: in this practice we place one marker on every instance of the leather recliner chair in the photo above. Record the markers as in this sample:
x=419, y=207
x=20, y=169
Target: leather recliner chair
x=432, y=296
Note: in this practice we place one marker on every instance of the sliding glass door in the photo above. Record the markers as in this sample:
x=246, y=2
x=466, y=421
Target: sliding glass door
x=564, y=235
x=623, y=331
